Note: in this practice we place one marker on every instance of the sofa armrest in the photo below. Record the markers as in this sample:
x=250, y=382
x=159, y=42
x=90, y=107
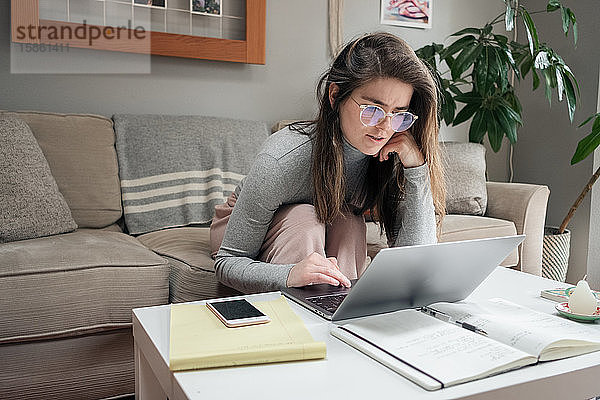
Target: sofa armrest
x=524, y=205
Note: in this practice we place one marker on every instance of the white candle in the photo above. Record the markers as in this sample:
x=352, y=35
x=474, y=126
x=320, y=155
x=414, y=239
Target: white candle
x=582, y=300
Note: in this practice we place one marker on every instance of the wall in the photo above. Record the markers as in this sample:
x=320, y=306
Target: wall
x=593, y=259
x=547, y=140
x=297, y=52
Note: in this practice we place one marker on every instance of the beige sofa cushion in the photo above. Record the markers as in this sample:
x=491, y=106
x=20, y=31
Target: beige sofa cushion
x=465, y=227
x=192, y=275
x=99, y=366
x=188, y=244
x=80, y=150
x=456, y=228
x=31, y=205
x=77, y=283
x=190, y=284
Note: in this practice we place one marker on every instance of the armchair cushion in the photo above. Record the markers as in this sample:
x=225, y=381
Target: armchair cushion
x=456, y=228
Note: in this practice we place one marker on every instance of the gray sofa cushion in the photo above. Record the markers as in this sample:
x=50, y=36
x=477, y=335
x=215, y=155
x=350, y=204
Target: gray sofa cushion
x=80, y=150
x=464, y=168
x=31, y=205
x=77, y=283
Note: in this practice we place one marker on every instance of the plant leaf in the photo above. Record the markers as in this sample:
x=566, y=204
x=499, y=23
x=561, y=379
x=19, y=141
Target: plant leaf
x=448, y=107
x=515, y=104
x=481, y=72
x=487, y=29
x=509, y=126
x=532, y=35
x=588, y=144
x=572, y=77
x=566, y=19
x=536, y=79
x=589, y=119
x=475, y=31
x=526, y=66
x=478, y=127
x=502, y=40
x=575, y=34
x=455, y=90
x=465, y=59
x=502, y=69
x=571, y=99
x=509, y=16
x=548, y=87
x=469, y=98
x=553, y=5
x=495, y=133
x=466, y=113
x=457, y=46
x=541, y=60
x=512, y=113
x=560, y=86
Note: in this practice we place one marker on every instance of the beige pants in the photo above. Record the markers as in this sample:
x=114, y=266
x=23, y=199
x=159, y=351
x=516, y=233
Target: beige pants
x=295, y=233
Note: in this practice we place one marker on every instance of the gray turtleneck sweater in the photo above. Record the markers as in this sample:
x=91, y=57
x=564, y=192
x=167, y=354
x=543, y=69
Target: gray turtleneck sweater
x=281, y=175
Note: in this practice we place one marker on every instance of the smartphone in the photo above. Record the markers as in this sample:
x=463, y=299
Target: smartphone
x=234, y=313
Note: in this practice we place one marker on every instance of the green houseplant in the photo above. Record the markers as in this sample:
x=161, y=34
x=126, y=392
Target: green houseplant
x=481, y=67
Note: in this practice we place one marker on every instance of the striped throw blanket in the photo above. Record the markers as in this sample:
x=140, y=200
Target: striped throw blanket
x=175, y=169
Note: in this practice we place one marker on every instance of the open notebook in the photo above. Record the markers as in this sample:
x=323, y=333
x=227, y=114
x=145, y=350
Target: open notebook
x=437, y=354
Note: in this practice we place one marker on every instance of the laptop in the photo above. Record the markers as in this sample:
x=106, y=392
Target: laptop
x=409, y=277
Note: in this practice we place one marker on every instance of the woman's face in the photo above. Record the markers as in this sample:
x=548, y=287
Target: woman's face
x=388, y=93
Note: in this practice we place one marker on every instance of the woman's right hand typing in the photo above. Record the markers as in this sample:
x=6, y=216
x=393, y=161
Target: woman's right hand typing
x=316, y=269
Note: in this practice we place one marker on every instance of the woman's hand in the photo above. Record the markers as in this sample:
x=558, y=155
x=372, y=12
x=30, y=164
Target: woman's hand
x=403, y=144
x=316, y=269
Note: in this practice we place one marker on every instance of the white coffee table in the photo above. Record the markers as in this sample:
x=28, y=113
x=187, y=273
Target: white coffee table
x=349, y=374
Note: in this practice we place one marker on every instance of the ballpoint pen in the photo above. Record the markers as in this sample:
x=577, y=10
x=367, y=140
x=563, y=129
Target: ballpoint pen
x=446, y=318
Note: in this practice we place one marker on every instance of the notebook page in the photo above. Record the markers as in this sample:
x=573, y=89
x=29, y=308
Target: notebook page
x=444, y=351
x=523, y=328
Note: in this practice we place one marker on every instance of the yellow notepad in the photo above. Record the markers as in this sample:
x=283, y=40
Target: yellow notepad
x=199, y=340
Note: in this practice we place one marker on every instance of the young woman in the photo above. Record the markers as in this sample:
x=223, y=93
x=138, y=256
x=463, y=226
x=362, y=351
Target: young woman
x=297, y=217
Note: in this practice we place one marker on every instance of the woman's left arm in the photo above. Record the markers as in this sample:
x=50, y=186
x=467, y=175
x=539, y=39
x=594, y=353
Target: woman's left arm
x=415, y=219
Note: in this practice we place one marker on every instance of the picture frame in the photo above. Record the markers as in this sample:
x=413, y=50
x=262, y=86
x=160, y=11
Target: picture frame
x=206, y=7
x=151, y=3
x=408, y=13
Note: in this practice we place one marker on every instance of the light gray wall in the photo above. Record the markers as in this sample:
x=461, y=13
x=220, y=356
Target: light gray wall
x=593, y=259
x=297, y=52
x=547, y=140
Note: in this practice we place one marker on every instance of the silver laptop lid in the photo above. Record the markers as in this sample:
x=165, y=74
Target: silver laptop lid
x=416, y=276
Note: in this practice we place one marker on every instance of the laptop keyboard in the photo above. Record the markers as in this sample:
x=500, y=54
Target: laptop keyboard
x=330, y=302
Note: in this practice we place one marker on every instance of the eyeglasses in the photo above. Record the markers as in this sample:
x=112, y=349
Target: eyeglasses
x=373, y=115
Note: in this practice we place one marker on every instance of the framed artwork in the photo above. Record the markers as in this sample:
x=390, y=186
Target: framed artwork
x=177, y=28
x=210, y=7
x=409, y=13
x=151, y=3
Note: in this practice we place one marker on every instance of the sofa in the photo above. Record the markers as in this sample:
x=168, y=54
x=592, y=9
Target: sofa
x=65, y=325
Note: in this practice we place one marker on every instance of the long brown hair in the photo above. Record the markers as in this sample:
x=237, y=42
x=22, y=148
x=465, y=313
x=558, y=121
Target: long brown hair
x=373, y=56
